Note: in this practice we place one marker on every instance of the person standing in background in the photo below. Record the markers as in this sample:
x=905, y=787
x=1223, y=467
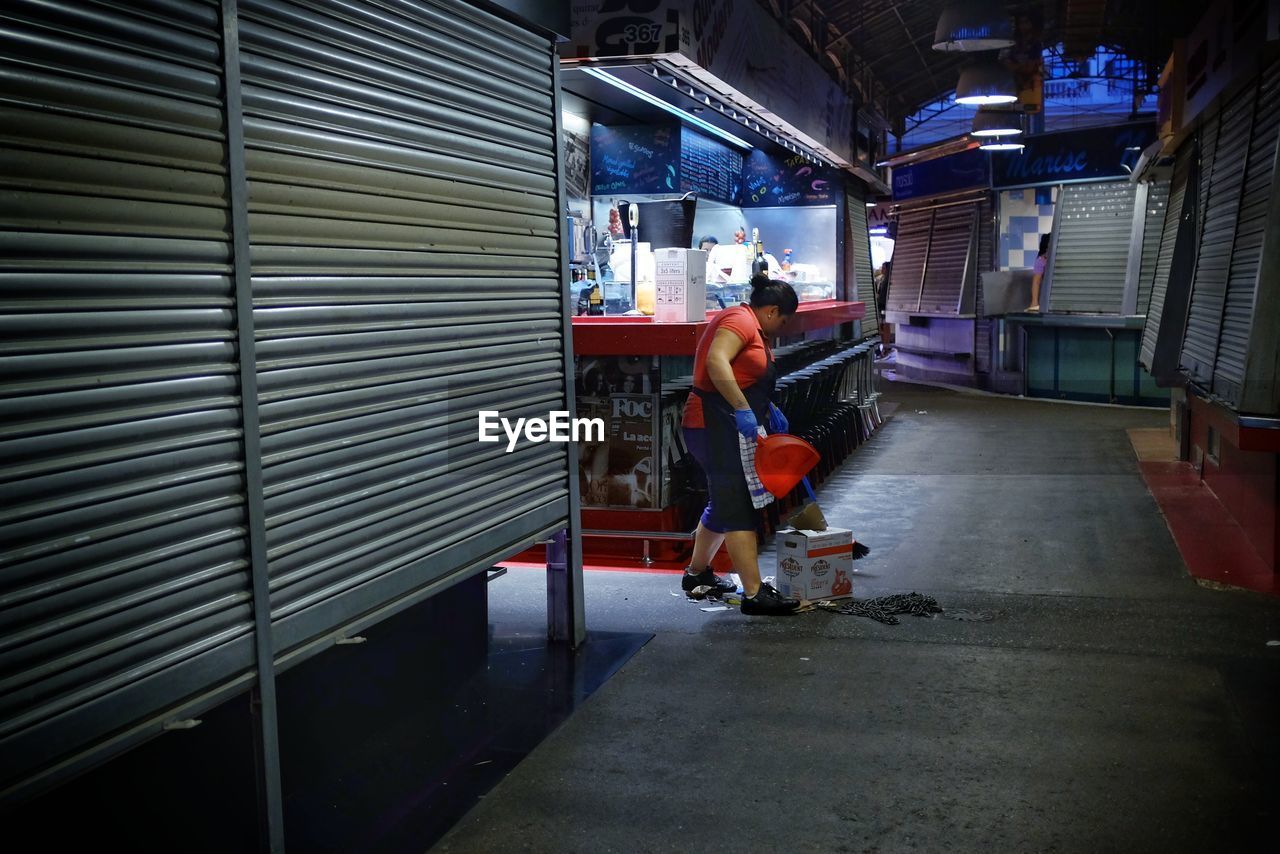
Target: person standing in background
x=882, y=299
x=1037, y=272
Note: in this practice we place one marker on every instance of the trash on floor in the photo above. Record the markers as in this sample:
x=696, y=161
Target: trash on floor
x=1273, y=643
x=717, y=608
x=883, y=608
x=969, y=616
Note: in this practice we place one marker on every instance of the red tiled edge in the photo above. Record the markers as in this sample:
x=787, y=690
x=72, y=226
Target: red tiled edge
x=1213, y=545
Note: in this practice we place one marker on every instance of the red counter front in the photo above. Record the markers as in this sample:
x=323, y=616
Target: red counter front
x=641, y=336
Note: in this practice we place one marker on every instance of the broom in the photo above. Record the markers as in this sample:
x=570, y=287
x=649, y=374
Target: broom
x=859, y=549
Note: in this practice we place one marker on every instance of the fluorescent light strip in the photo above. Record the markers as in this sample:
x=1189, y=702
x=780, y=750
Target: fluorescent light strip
x=663, y=105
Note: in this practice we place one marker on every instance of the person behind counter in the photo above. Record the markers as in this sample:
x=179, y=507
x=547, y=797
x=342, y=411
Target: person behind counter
x=733, y=378
x=1042, y=261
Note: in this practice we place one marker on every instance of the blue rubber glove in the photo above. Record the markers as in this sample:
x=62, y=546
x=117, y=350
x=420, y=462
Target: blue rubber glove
x=745, y=420
x=777, y=421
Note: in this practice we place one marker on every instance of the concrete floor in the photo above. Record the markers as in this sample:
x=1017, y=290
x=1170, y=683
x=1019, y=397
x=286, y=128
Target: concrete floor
x=1111, y=704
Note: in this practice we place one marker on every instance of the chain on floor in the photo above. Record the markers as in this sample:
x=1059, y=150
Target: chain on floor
x=883, y=608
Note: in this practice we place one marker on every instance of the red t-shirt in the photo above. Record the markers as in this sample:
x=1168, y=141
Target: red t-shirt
x=750, y=365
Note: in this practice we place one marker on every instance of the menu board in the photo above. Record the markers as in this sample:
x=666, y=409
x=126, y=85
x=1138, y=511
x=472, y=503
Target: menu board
x=770, y=182
x=638, y=159
x=709, y=168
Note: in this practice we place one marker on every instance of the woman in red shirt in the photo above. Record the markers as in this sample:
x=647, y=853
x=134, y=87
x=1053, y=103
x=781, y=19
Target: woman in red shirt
x=733, y=379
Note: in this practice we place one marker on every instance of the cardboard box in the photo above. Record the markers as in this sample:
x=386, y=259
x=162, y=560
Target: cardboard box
x=680, y=276
x=815, y=565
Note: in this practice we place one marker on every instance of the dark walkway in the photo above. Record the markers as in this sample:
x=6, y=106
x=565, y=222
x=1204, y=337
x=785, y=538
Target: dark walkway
x=1112, y=704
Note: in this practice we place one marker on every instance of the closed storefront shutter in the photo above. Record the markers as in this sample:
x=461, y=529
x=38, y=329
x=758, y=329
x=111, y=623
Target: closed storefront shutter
x=909, y=254
x=986, y=263
x=951, y=258
x=124, y=585
x=1091, y=250
x=1213, y=262
x=860, y=249
x=405, y=270
x=1152, y=230
x=405, y=277
x=1238, y=310
x=1173, y=216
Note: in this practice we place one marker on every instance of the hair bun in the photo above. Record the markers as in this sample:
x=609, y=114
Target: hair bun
x=760, y=280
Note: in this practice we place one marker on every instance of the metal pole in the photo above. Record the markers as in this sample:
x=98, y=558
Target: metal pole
x=263, y=696
x=566, y=614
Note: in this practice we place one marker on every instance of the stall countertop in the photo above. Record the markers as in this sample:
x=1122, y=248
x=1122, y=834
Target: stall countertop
x=641, y=336
x=1085, y=321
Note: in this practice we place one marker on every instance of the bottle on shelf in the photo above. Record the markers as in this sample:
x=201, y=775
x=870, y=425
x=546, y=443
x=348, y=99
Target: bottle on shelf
x=759, y=265
x=787, y=259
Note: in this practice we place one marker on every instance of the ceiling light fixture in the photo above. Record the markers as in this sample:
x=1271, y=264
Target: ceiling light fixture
x=654, y=100
x=986, y=82
x=974, y=25
x=990, y=121
x=999, y=144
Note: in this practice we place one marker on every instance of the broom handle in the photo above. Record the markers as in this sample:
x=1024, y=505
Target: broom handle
x=809, y=489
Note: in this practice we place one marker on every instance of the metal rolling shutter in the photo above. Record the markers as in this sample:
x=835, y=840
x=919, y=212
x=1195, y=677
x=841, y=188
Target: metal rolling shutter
x=1173, y=216
x=1091, y=254
x=861, y=250
x=1237, y=319
x=1152, y=230
x=403, y=214
x=950, y=251
x=124, y=586
x=1213, y=263
x=910, y=250
x=986, y=263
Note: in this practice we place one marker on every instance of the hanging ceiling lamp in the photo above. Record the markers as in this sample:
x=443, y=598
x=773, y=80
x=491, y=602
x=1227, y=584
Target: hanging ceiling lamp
x=1000, y=143
x=976, y=25
x=986, y=82
x=993, y=121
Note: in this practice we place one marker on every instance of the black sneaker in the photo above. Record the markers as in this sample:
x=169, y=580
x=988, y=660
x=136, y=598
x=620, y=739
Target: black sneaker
x=707, y=578
x=769, y=602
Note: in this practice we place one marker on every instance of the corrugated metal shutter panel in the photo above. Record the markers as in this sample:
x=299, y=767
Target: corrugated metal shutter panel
x=125, y=586
x=1091, y=254
x=1164, y=257
x=950, y=248
x=406, y=276
x=986, y=263
x=861, y=250
x=909, y=252
x=1152, y=229
x=1237, y=320
x=1213, y=263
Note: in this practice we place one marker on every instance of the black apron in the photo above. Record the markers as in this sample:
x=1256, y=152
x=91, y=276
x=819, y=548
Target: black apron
x=722, y=429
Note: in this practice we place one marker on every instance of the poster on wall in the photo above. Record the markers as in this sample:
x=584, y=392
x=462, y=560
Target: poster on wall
x=577, y=165
x=774, y=182
x=623, y=469
x=640, y=159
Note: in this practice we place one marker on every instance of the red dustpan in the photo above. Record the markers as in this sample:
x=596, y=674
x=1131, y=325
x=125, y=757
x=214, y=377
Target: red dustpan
x=782, y=460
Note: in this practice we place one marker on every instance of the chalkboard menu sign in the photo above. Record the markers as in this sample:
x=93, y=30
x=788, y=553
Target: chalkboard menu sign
x=769, y=182
x=709, y=168
x=639, y=159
